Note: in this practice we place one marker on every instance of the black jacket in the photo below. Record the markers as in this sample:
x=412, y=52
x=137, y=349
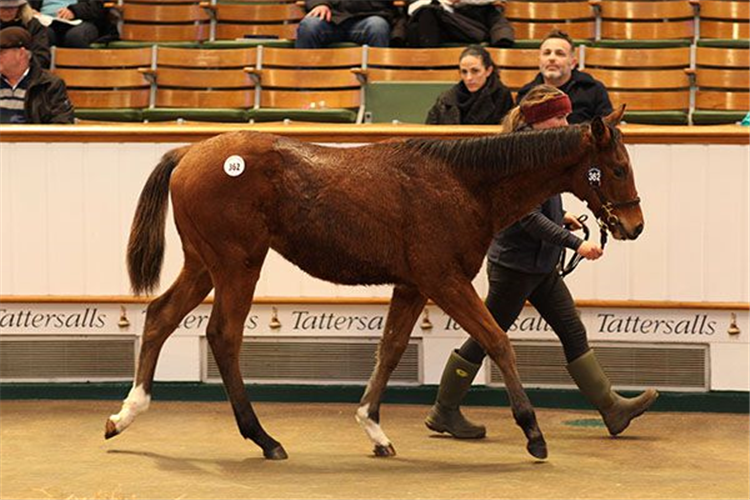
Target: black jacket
x=588, y=96
x=489, y=107
x=534, y=243
x=47, y=98
x=343, y=10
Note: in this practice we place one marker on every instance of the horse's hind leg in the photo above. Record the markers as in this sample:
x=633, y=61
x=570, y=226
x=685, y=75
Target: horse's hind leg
x=233, y=298
x=460, y=301
x=406, y=305
x=162, y=317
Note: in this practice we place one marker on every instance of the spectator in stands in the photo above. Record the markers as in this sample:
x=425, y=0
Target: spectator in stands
x=480, y=97
x=364, y=22
x=522, y=265
x=433, y=22
x=28, y=93
x=19, y=13
x=557, y=63
x=90, y=22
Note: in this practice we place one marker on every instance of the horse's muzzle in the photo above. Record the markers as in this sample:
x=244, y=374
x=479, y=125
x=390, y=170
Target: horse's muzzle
x=636, y=232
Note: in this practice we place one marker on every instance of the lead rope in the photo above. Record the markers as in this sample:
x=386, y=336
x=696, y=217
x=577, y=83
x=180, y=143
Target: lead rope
x=594, y=178
x=575, y=259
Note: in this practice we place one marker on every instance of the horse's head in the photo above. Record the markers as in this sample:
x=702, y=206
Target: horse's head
x=608, y=185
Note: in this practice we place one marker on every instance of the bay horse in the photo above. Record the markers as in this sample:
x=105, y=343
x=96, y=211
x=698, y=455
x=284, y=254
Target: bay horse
x=417, y=213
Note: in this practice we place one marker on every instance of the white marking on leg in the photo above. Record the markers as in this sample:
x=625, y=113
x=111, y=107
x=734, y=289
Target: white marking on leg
x=136, y=402
x=372, y=428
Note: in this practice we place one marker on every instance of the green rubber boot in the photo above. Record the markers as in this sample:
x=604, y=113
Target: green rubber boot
x=616, y=410
x=445, y=415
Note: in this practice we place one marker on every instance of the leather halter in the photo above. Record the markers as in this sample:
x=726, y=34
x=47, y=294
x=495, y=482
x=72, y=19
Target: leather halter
x=606, y=216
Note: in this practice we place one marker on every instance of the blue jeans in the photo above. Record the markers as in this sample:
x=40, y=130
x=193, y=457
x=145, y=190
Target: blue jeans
x=314, y=32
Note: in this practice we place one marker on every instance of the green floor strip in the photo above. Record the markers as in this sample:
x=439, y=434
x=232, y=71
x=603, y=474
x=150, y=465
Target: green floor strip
x=585, y=422
x=714, y=401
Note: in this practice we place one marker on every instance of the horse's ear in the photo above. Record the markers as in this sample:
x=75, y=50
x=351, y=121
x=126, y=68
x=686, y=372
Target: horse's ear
x=600, y=131
x=615, y=116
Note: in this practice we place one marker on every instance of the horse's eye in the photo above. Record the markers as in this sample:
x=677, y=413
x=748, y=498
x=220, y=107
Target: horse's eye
x=619, y=172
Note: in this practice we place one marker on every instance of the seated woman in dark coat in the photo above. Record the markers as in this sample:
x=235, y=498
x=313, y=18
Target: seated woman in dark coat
x=480, y=98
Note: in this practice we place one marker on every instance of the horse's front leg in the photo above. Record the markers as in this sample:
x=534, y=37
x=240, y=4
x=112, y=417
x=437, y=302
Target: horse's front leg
x=406, y=305
x=457, y=298
x=162, y=317
x=232, y=300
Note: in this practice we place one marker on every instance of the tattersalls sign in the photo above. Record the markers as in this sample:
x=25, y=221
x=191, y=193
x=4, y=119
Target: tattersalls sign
x=368, y=320
x=724, y=332
x=33, y=319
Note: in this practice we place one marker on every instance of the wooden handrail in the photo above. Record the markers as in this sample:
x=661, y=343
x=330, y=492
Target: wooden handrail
x=170, y=132
x=130, y=299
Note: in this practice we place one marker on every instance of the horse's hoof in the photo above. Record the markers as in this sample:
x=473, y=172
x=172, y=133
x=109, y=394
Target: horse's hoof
x=538, y=448
x=277, y=453
x=110, y=430
x=384, y=451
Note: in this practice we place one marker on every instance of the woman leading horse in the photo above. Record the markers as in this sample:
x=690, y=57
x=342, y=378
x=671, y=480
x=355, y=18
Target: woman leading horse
x=419, y=214
x=522, y=266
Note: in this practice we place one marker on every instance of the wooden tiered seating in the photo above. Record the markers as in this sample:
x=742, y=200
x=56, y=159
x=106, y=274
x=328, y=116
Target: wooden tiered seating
x=257, y=20
x=646, y=20
x=651, y=81
x=533, y=19
x=106, y=84
x=517, y=66
x=164, y=21
x=402, y=84
x=722, y=77
x=310, y=85
x=725, y=19
x=204, y=84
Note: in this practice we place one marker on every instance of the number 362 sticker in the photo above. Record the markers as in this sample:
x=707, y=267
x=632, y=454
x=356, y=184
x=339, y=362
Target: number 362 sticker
x=234, y=165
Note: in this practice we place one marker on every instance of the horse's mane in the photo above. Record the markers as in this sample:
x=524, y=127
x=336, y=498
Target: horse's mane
x=503, y=154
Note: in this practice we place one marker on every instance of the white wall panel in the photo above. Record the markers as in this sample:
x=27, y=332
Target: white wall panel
x=103, y=230
x=66, y=217
x=649, y=252
x=726, y=228
x=28, y=231
x=67, y=209
x=687, y=217
x=6, y=219
x=280, y=277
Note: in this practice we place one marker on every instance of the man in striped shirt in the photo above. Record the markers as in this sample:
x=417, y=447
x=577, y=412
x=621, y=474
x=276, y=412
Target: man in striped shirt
x=28, y=93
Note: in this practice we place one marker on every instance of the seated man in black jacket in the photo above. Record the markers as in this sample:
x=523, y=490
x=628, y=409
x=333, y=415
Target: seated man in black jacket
x=331, y=21
x=28, y=93
x=557, y=67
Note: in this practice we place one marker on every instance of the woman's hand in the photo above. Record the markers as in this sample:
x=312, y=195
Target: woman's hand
x=571, y=222
x=590, y=251
x=66, y=13
x=321, y=11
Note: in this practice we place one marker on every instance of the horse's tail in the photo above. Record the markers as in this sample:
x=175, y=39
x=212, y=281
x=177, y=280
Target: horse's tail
x=146, y=243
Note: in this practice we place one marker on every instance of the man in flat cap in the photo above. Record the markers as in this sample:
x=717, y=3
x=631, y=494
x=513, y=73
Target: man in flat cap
x=19, y=13
x=28, y=93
